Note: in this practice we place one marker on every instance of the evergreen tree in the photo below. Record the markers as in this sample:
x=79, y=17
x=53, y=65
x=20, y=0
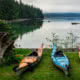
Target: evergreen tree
x=11, y=9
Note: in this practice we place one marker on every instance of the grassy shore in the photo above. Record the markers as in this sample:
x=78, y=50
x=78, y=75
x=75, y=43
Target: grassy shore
x=45, y=70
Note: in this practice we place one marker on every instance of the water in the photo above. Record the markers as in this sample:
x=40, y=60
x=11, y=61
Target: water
x=33, y=35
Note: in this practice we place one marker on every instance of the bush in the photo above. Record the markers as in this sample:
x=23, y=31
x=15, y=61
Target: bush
x=4, y=26
x=10, y=57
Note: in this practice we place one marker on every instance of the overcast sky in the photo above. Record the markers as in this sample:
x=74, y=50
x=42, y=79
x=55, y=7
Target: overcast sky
x=55, y=5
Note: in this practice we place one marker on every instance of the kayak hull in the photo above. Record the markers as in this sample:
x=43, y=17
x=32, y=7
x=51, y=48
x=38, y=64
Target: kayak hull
x=26, y=68
x=64, y=70
x=60, y=60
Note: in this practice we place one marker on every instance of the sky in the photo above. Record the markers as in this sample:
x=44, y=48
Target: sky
x=55, y=5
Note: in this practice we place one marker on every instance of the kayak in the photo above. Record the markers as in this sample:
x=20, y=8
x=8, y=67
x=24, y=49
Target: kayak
x=29, y=67
x=60, y=59
x=37, y=54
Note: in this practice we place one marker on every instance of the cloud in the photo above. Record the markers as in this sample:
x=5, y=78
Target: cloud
x=55, y=5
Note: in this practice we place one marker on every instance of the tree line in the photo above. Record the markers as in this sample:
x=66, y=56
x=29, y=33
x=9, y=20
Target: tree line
x=12, y=9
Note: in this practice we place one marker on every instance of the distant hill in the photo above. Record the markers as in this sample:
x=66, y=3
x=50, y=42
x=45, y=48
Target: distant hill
x=62, y=15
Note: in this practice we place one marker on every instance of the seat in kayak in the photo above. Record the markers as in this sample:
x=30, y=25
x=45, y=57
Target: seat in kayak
x=59, y=54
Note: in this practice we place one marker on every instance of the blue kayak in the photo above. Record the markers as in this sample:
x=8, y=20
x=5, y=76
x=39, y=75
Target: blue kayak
x=60, y=59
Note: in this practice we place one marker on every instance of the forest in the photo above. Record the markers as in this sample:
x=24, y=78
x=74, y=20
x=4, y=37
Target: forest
x=12, y=9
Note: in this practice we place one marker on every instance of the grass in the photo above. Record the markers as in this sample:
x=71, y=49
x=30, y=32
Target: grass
x=45, y=70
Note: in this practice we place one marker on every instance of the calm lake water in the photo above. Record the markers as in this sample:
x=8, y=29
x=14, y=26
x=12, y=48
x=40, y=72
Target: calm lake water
x=33, y=34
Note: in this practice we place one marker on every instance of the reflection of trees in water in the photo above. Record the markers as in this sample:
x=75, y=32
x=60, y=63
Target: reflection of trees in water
x=20, y=28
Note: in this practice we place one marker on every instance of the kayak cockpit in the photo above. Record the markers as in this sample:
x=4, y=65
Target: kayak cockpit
x=59, y=54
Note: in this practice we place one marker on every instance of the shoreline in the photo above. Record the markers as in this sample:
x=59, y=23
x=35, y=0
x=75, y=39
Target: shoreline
x=65, y=50
x=16, y=20
x=21, y=20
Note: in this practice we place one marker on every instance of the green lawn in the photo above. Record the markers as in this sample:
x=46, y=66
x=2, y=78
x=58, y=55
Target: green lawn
x=45, y=70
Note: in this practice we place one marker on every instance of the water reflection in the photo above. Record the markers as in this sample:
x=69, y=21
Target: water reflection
x=33, y=34
x=23, y=28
